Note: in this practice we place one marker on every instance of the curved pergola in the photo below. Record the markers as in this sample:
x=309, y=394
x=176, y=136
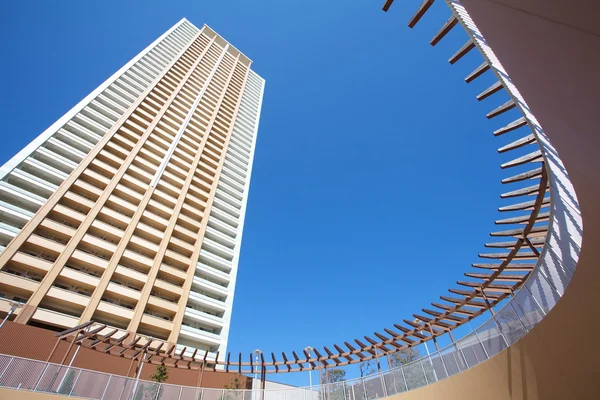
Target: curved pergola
x=500, y=275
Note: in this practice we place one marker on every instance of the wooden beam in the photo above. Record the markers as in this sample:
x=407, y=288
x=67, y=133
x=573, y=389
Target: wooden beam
x=531, y=157
x=387, y=5
x=477, y=72
x=496, y=87
x=70, y=331
x=501, y=109
x=420, y=12
x=460, y=53
x=447, y=27
x=511, y=127
x=523, y=219
x=523, y=176
x=526, y=206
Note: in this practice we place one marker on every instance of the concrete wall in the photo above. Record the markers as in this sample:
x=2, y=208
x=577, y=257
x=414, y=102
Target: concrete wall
x=36, y=343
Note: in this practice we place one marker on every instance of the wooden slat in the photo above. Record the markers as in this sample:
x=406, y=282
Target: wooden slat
x=431, y=322
x=529, y=139
x=509, y=105
x=517, y=232
x=461, y=311
x=420, y=12
x=511, y=127
x=525, y=206
x=448, y=317
x=476, y=295
x=500, y=278
x=532, y=174
x=460, y=53
x=447, y=27
x=511, y=267
x=387, y=5
x=496, y=87
x=510, y=245
x=76, y=329
x=477, y=72
x=526, y=191
x=534, y=156
x=492, y=287
x=522, y=255
x=543, y=216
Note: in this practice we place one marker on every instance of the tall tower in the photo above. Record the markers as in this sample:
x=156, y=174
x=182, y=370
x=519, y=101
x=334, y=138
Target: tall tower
x=129, y=210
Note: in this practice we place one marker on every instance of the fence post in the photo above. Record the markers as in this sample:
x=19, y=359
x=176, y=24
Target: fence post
x=482, y=345
x=404, y=377
x=364, y=388
x=424, y=374
x=383, y=385
x=74, y=383
x=158, y=391
x=353, y=395
x=106, y=387
x=344, y=389
x=534, y=299
x=180, y=390
x=40, y=378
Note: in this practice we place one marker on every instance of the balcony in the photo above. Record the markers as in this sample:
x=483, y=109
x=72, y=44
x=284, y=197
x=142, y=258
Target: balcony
x=14, y=212
x=220, y=238
x=88, y=260
x=204, y=318
x=139, y=261
x=54, y=318
x=226, y=207
x=174, y=272
x=198, y=335
x=169, y=287
x=68, y=296
x=76, y=277
x=214, y=273
x=49, y=246
x=224, y=217
x=154, y=321
x=25, y=260
x=229, y=196
x=206, y=301
x=222, y=227
x=118, y=311
x=120, y=291
x=214, y=261
x=162, y=304
x=27, y=200
x=18, y=281
x=233, y=183
x=131, y=274
x=210, y=287
x=217, y=249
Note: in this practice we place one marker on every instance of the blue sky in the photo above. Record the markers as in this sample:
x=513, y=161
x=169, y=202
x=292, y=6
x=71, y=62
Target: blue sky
x=376, y=176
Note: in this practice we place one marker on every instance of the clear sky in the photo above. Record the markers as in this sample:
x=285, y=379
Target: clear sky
x=376, y=176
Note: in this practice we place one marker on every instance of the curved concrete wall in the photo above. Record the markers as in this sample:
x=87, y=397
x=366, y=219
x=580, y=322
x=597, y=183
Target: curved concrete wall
x=551, y=49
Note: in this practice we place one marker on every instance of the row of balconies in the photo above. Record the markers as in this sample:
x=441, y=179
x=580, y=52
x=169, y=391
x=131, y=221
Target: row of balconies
x=52, y=162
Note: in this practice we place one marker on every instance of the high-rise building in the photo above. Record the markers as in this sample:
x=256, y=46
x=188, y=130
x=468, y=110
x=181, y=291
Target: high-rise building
x=129, y=210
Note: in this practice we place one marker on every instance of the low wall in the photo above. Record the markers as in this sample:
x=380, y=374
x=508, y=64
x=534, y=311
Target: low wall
x=36, y=343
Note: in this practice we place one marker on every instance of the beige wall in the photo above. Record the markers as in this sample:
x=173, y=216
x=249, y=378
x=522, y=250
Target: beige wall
x=11, y=394
x=551, y=49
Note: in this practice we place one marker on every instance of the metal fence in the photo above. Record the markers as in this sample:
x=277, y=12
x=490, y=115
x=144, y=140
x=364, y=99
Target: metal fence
x=511, y=323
